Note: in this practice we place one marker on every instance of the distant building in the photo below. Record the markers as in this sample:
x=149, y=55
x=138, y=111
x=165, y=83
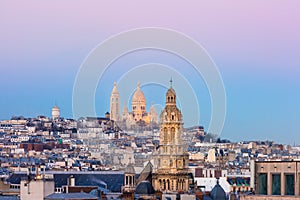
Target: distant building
x=55, y=112
x=206, y=179
x=138, y=115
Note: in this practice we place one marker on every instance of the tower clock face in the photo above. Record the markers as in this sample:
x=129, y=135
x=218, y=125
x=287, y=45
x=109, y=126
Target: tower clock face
x=165, y=163
x=179, y=163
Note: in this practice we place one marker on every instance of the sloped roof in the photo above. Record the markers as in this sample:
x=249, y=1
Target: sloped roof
x=77, y=195
x=130, y=169
x=144, y=187
x=146, y=173
x=218, y=192
x=110, y=179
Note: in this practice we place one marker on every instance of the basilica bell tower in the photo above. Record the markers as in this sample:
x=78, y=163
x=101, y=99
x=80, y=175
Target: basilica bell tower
x=115, y=104
x=171, y=159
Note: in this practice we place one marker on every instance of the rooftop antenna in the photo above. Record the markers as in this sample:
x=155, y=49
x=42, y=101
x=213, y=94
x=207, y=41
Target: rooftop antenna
x=171, y=82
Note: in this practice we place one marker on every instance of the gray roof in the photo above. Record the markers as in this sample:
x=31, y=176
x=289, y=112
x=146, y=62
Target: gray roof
x=218, y=193
x=207, y=198
x=130, y=169
x=77, y=195
x=145, y=188
x=112, y=180
x=9, y=197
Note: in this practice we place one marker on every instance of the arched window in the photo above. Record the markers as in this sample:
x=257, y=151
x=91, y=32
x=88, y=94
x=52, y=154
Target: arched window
x=165, y=134
x=172, y=134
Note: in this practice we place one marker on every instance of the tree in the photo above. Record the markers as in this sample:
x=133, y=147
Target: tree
x=210, y=137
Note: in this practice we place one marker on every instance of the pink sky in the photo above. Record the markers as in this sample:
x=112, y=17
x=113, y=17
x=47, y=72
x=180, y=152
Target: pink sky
x=265, y=29
x=255, y=45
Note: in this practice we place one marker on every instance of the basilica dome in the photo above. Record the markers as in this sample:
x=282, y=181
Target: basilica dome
x=138, y=104
x=138, y=97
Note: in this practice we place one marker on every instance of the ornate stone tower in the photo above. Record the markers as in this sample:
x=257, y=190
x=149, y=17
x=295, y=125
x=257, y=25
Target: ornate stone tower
x=170, y=160
x=115, y=104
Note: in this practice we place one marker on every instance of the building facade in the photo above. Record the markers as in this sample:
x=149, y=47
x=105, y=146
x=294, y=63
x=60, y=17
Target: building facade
x=170, y=160
x=277, y=178
x=37, y=188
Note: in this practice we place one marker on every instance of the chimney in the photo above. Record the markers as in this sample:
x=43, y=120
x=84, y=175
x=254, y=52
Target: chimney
x=71, y=181
x=37, y=170
x=28, y=171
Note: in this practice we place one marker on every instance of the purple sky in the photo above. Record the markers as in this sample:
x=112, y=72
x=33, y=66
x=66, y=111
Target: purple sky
x=255, y=45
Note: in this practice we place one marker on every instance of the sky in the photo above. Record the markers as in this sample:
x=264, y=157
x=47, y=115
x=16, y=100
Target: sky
x=254, y=44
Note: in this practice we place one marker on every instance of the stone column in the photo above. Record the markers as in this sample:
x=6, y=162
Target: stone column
x=282, y=183
x=133, y=180
x=297, y=184
x=269, y=183
x=187, y=184
x=154, y=183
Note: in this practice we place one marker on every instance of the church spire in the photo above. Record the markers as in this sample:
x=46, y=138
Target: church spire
x=171, y=95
